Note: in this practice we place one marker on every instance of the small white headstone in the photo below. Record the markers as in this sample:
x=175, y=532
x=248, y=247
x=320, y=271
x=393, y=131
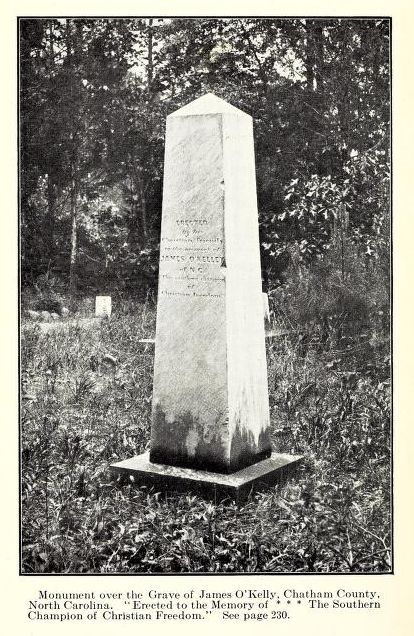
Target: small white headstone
x=103, y=306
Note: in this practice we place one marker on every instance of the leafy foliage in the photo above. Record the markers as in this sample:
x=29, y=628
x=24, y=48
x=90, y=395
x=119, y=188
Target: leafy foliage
x=94, y=97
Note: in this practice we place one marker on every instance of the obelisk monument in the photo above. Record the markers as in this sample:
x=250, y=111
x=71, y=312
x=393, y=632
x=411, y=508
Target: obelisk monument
x=210, y=410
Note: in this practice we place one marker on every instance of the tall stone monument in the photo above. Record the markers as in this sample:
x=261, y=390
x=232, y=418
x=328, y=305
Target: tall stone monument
x=210, y=417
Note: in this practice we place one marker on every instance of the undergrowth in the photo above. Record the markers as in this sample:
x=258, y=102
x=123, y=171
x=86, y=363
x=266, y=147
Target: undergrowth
x=86, y=401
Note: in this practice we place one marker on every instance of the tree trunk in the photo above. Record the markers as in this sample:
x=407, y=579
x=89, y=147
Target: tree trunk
x=310, y=58
x=73, y=244
x=50, y=219
x=150, y=67
x=143, y=207
x=73, y=47
x=318, y=55
x=314, y=64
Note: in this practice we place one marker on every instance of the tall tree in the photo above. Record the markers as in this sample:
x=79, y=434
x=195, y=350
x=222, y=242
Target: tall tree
x=95, y=95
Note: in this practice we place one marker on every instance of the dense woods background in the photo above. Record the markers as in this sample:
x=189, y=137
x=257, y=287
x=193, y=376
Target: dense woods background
x=94, y=97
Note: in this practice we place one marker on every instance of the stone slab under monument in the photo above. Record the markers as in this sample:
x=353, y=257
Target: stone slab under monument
x=238, y=486
x=210, y=412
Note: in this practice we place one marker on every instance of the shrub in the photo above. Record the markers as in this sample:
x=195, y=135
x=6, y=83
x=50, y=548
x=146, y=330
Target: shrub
x=338, y=294
x=47, y=296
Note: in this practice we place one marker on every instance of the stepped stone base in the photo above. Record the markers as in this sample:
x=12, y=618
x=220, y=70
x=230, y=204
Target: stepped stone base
x=238, y=486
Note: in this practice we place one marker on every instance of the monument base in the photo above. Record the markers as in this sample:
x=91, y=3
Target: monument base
x=238, y=486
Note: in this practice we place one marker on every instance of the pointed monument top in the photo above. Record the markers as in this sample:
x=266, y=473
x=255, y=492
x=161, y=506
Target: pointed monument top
x=208, y=104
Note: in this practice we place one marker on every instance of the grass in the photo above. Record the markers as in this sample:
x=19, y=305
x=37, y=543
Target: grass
x=80, y=413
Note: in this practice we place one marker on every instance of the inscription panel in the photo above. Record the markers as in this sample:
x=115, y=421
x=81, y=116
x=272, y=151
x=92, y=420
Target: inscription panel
x=191, y=265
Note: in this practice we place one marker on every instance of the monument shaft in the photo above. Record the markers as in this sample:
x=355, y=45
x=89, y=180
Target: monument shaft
x=210, y=395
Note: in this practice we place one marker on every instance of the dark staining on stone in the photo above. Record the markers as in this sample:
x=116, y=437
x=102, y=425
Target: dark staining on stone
x=244, y=451
x=184, y=443
x=169, y=445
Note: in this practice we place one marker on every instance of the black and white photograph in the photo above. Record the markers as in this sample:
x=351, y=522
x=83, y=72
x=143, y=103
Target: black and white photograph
x=205, y=262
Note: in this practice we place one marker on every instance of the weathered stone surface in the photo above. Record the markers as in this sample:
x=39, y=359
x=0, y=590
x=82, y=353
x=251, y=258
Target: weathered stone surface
x=210, y=399
x=103, y=306
x=266, y=310
x=239, y=485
